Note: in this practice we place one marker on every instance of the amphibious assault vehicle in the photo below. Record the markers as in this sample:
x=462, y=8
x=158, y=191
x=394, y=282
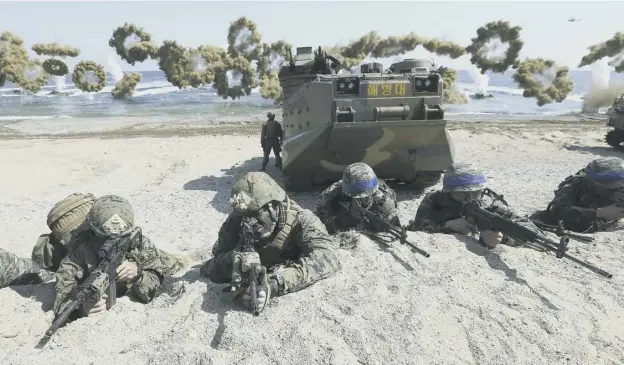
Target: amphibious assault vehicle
x=392, y=120
x=615, y=137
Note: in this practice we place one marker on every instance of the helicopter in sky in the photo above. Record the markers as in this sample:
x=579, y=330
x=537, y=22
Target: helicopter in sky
x=573, y=19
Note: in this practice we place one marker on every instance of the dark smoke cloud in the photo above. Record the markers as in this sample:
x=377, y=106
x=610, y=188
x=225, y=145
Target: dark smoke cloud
x=243, y=39
x=33, y=77
x=80, y=80
x=13, y=58
x=479, y=47
x=614, y=47
x=55, y=67
x=126, y=87
x=560, y=82
x=140, y=51
x=451, y=95
x=55, y=50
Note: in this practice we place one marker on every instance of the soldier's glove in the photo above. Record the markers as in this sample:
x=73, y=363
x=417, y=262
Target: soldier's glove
x=243, y=262
x=263, y=291
x=97, y=302
x=490, y=238
x=459, y=225
x=94, y=305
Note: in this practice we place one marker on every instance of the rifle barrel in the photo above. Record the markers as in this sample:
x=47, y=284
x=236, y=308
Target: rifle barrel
x=254, y=295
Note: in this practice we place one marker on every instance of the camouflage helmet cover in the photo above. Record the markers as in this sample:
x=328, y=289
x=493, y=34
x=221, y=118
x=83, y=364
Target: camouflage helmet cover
x=359, y=181
x=68, y=214
x=270, y=115
x=110, y=215
x=608, y=171
x=463, y=177
x=253, y=191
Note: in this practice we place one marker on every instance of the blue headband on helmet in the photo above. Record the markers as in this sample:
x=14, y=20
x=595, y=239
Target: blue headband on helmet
x=605, y=176
x=359, y=186
x=463, y=180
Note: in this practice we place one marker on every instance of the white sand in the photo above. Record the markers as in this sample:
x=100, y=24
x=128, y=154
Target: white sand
x=463, y=305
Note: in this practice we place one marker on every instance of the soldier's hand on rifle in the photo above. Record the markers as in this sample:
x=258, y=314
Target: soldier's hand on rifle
x=127, y=271
x=91, y=306
x=263, y=291
x=610, y=213
x=491, y=238
x=243, y=262
x=460, y=225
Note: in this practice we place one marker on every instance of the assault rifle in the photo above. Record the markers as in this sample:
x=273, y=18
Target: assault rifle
x=111, y=253
x=381, y=224
x=488, y=221
x=248, y=245
x=560, y=231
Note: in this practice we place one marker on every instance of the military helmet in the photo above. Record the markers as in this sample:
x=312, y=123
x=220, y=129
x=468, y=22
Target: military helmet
x=253, y=191
x=607, y=171
x=270, y=115
x=359, y=180
x=68, y=214
x=463, y=177
x=110, y=215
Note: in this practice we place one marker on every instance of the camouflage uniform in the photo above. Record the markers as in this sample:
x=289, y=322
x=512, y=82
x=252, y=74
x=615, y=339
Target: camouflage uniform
x=578, y=196
x=65, y=219
x=357, y=176
x=299, y=252
x=15, y=270
x=271, y=137
x=439, y=207
x=108, y=211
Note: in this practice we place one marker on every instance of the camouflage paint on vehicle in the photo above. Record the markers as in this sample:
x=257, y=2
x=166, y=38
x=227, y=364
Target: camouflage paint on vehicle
x=391, y=120
x=615, y=138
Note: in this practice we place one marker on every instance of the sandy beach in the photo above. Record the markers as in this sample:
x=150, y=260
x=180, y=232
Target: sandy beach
x=463, y=305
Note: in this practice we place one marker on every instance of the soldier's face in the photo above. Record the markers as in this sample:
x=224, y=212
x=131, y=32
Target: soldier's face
x=266, y=220
x=465, y=196
x=363, y=202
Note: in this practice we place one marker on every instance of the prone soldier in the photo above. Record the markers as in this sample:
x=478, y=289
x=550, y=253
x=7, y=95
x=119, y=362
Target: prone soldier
x=592, y=200
x=290, y=246
x=359, y=184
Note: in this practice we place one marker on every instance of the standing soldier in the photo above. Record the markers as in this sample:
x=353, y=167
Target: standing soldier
x=271, y=137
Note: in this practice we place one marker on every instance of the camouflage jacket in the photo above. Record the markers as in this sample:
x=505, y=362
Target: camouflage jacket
x=15, y=270
x=437, y=208
x=271, y=131
x=336, y=218
x=302, y=252
x=575, y=203
x=49, y=252
x=77, y=266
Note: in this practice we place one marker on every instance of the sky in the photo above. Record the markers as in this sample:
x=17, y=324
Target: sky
x=89, y=25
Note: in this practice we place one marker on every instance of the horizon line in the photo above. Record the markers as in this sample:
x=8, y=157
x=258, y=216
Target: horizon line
x=459, y=69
